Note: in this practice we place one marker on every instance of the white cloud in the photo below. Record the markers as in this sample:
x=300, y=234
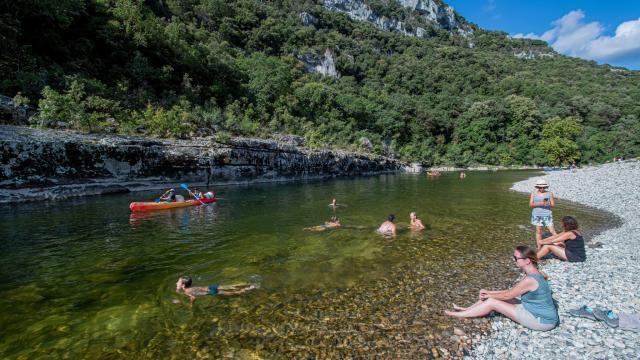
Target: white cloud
x=570, y=35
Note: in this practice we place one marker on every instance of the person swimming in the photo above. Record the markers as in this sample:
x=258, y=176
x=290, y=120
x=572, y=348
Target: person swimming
x=331, y=224
x=388, y=227
x=184, y=286
x=416, y=224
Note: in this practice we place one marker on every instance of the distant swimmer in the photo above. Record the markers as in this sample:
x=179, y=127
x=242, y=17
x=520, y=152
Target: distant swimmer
x=388, y=227
x=462, y=175
x=416, y=224
x=331, y=224
x=184, y=286
x=334, y=204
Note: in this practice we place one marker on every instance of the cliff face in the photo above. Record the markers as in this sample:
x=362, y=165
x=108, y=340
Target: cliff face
x=37, y=164
x=432, y=12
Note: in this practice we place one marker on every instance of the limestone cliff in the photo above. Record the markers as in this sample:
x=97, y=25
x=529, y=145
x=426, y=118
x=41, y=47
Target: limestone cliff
x=37, y=164
x=430, y=12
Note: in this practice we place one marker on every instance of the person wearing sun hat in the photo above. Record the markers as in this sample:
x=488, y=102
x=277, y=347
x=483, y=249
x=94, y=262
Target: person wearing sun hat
x=542, y=202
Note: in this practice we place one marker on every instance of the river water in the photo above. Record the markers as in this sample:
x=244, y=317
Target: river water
x=85, y=278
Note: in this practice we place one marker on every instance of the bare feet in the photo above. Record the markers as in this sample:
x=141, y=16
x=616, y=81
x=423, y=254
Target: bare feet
x=458, y=308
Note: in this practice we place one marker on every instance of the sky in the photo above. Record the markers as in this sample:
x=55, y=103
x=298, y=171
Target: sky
x=605, y=31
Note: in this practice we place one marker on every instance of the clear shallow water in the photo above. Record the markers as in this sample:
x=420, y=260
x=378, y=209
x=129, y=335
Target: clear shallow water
x=86, y=278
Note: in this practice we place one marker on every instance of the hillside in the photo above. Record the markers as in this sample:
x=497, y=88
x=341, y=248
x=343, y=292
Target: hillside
x=404, y=77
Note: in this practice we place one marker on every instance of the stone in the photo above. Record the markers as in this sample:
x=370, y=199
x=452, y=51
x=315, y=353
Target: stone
x=52, y=164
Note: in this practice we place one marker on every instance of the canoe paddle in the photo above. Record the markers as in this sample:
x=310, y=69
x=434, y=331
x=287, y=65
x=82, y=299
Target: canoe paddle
x=184, y=186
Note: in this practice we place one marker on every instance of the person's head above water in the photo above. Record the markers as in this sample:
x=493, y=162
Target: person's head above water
x=569, y=223
x=391, y=217
x=184, y=282
x=413, y=215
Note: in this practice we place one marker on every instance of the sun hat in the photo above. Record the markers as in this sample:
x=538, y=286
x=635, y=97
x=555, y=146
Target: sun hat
x=542, y=183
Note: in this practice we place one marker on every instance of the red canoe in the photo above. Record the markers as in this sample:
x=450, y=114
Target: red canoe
x=150, y=206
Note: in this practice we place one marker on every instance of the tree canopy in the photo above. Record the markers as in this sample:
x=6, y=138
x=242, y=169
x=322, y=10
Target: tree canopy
x=175, y=68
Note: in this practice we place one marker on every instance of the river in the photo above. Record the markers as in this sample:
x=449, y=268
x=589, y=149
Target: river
x=85, y=278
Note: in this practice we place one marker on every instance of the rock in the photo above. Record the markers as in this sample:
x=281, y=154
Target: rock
x=458, y=331
x=431, y=12
x=308, y=20
x=38, y=163
x=324, y=65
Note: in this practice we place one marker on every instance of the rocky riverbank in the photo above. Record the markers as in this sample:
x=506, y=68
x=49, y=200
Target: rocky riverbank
x=49, y=164
x=609, y=279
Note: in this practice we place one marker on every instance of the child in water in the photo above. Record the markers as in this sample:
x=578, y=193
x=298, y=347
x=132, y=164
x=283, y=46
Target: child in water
x=184, y=286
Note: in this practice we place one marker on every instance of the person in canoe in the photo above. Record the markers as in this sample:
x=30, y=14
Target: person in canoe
x=168, y=196
x=415, y=223
x=334, y=223
x=197, y=194
x=183, y=286
x=388, y=227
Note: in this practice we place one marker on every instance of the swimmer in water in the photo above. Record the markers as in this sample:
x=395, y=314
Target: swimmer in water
x=416, y=224
x=388, y=227
x=184, y=286
x=334, y=223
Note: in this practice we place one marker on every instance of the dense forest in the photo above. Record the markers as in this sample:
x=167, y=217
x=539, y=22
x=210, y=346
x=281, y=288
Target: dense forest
x=183, y=68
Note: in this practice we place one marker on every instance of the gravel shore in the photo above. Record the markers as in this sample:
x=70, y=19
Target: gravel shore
x=609, y=279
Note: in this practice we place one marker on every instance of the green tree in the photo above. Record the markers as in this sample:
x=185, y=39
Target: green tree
x=558, y=140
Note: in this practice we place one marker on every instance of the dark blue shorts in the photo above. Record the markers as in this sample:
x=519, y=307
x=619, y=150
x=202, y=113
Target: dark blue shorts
x=213, y=289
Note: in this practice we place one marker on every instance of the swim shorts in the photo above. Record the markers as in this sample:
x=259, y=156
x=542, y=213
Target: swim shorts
x=528, y=320
x=213, y=289
x=542, y=220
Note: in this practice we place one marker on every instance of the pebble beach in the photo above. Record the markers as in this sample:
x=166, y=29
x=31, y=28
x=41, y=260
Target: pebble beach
x=609, y=279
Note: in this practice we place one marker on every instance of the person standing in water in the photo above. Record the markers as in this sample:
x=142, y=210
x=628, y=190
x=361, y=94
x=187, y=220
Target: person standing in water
x=416, y=224
x=462, y=175
x=333, y=204
x=388, y=227
x=184, y=286
x=542, y=201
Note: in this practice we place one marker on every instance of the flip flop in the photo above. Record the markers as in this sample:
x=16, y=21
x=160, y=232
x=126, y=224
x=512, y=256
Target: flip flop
x=608, y=316
x=583, y=311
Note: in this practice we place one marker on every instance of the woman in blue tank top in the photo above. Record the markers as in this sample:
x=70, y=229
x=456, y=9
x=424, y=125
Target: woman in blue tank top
x=542, y=201
x=535, y=310
x=568, y=245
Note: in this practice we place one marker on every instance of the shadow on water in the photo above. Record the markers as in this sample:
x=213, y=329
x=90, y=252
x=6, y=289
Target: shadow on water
x=87, y=278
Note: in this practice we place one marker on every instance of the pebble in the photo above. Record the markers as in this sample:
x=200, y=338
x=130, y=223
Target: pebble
x=603, y=281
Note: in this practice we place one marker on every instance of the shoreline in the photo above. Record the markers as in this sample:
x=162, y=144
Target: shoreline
x=606, y=280
x=44, y=164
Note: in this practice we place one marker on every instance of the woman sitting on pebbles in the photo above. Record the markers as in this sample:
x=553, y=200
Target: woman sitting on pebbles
x=567, y=246
x=536, y=310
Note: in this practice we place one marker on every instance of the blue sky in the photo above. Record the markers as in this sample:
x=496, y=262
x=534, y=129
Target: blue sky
x=605, y=31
